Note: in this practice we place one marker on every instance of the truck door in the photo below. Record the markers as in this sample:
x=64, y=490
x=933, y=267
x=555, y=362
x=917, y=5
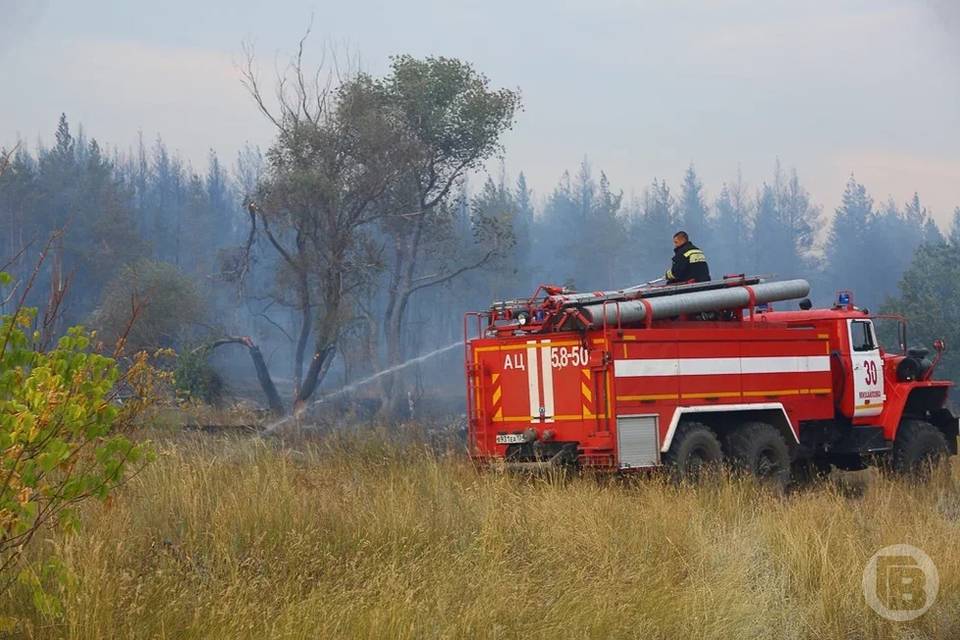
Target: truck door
x=867, y=387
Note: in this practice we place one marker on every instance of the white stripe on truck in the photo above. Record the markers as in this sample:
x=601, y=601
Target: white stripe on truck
x=719, y=366
x=546, y=364
x=533, y=379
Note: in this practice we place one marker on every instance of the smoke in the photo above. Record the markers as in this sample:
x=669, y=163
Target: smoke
x=17, y=19
x=946, y=14
x=949, y=10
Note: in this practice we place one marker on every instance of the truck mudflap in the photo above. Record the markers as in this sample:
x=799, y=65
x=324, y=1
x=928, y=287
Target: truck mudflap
x=949, y=425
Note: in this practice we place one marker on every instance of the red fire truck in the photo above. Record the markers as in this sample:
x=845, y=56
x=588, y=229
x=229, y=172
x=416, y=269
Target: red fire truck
x=693, y=374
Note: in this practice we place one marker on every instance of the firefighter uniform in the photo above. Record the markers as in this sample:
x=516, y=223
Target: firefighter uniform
x=689, y=263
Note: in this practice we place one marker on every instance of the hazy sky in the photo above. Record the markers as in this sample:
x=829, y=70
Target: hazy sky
x=642, y=87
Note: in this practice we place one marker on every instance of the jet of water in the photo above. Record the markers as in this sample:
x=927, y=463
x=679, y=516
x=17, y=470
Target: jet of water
x=270, y=428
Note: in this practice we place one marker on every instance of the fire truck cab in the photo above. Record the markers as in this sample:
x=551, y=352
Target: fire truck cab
x=698, y=374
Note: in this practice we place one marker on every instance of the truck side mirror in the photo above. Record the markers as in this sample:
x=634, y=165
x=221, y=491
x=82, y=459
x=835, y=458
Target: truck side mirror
x=939, y=345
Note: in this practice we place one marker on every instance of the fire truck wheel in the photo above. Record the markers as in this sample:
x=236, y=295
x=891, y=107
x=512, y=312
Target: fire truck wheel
x=919, y=446
x=758, y=448
x=694, y=450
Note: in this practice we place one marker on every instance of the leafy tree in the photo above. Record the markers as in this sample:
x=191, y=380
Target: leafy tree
x=455, y=121
x=371, y=158
x=335, y=156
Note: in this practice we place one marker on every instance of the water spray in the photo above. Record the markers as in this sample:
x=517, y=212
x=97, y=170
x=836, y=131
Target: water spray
x=299, y=411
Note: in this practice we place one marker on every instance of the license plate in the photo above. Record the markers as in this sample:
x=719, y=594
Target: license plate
x=511, y=438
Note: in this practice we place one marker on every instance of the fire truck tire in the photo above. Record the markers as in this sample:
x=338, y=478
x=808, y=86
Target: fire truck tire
x=758, y=448
x=918, y=447
x=694, y=449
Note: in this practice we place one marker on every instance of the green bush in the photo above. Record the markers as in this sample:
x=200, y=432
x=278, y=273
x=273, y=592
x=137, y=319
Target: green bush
x=195, y=379
x=62, y=427
x=149, y=305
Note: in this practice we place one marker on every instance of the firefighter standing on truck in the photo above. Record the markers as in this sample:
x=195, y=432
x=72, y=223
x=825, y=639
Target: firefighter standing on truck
x=689, y=263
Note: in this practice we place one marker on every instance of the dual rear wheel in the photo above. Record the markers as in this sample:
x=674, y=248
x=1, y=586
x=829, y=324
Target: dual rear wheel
x=754, y=448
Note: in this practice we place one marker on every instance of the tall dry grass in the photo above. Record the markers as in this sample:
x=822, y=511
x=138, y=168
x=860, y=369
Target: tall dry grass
x=357, y=537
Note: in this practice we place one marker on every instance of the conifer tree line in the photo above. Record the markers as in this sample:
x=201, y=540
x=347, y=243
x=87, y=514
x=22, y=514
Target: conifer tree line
x=772, y=229
x=145, y=223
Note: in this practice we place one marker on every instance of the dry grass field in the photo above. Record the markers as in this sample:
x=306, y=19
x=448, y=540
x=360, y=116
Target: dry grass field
x=367, y=537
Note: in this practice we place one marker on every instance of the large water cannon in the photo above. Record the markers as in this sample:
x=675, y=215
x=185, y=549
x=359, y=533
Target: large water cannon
x=554, y=308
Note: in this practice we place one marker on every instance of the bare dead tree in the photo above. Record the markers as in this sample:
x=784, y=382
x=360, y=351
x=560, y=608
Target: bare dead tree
x=301, y=97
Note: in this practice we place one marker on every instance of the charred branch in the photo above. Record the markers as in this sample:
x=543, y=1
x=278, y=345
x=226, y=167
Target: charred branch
x=274, y=402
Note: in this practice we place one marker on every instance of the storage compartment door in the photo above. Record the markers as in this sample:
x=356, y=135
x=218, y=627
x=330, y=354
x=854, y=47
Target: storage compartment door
x=637, y=441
